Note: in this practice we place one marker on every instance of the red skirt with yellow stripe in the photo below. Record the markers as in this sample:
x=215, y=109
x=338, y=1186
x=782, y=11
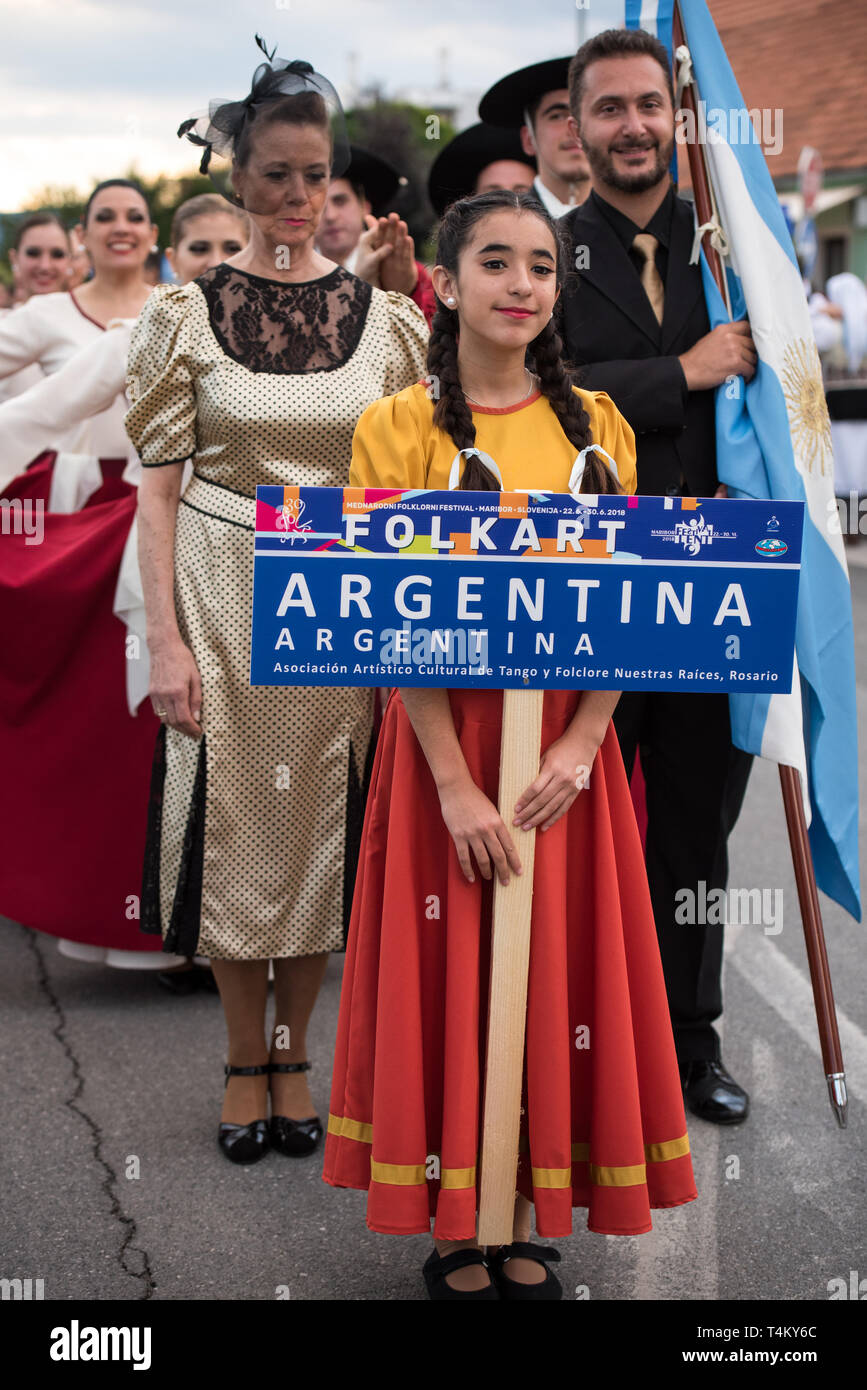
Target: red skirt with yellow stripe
x=602, y=1124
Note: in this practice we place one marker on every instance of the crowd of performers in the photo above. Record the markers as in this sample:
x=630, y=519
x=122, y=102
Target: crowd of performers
x=152, y=823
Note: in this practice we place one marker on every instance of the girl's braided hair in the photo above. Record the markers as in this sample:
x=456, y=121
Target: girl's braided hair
x=544, y=354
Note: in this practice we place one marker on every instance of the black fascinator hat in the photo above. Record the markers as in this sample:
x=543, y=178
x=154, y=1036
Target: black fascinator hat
x=305, y=97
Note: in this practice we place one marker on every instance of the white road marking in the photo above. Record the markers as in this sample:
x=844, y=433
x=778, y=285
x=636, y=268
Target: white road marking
x=679, y=1258
x=787, y=989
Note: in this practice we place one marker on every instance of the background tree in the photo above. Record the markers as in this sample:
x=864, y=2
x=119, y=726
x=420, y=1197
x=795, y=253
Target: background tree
x=410, y=139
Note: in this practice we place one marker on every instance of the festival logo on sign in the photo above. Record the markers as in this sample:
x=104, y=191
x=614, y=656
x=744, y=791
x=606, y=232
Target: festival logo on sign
x=693, y=534
x=772, y=545
x=288, y=518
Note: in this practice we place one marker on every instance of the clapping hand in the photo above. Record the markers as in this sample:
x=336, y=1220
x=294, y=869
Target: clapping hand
x=386, y=254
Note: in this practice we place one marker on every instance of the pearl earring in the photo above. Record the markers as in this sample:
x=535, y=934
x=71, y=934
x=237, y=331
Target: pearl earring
x=450, y=300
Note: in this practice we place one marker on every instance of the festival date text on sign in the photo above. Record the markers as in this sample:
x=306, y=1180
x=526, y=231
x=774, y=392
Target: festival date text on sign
x=516, y=590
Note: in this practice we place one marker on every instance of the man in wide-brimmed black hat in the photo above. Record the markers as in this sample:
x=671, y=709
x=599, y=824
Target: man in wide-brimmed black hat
x=535, y=102
x=358, y=233
x=481, y=158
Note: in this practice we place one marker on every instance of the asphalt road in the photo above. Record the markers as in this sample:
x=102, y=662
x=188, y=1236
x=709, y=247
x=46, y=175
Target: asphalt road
x=100, y=1065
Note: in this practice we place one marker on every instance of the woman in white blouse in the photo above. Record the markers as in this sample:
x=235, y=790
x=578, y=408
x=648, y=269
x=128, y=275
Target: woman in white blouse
x=205, y=230
x=76, y=764
x=49, y=329
x=41, y=261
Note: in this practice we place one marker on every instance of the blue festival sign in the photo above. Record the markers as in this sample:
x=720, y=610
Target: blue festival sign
x=518, y=590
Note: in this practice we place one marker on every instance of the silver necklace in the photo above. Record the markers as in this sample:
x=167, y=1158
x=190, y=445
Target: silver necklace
x=495, y=407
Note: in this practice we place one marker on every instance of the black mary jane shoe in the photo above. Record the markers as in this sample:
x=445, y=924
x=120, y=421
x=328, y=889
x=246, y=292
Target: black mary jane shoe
x=245, y=1143
x=295, y=1138
x=549, y=1289
x=436, y=1267
x=711, y=1094
x=190, y=981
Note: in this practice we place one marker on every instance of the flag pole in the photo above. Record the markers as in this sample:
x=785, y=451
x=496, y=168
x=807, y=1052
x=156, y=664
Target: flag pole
x=790, y=782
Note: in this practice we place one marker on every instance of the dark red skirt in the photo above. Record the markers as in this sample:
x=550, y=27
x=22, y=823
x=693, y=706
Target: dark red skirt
x=76, y=766
x=603, y=1122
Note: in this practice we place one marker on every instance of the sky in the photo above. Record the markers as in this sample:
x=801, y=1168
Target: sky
x=89, y=87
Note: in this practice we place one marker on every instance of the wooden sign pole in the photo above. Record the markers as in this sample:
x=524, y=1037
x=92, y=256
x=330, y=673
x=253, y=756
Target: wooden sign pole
x=510, y=958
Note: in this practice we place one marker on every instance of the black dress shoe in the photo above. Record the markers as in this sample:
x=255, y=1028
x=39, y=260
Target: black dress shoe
x=295, y=1138
x=550, y=1287
x=436, y=1267
x=245, y=1143
x=712, y=1094
x=189, y=981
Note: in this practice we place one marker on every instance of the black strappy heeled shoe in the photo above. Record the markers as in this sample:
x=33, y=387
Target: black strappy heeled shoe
x=549, y=1289
x=436, y=1267
x=245, y=1143
x=295, y=1138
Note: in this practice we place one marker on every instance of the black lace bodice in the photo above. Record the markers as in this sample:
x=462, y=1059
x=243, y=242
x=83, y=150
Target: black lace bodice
x=271, y=326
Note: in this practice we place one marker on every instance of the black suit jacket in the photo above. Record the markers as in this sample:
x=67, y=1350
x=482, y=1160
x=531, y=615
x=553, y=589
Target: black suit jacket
x=612, y=335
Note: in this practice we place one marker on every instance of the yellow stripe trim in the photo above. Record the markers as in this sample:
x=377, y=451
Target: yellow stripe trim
x=618, y=1177
x=414, y=1174
x=344, y=1128
x=398, y=1174
x=458, y=1177
x=552, y=1177
x=603, y=1175
x=672, y=1148
x=653, y=1153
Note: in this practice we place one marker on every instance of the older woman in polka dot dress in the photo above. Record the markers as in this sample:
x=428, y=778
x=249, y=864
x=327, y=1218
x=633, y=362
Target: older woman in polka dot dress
x=258, y=373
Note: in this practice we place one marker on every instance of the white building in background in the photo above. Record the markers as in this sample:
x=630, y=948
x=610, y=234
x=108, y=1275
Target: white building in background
x=459, y=106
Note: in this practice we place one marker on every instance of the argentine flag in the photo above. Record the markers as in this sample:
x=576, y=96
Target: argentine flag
x=773, y=440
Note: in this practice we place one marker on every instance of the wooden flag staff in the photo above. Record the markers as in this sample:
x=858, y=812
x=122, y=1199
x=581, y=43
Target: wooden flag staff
x=510, y=956
x=793, y=802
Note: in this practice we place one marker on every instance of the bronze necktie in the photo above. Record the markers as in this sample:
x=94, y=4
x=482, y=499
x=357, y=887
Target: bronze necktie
x=646, y=245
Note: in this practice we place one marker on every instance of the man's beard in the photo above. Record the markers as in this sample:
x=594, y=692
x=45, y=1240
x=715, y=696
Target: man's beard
x=603, y=170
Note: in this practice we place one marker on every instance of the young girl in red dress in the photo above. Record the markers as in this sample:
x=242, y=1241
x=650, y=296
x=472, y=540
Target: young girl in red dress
x=602, y=1122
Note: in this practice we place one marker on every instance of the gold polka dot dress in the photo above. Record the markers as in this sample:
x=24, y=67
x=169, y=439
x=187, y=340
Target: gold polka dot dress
x=254, y=829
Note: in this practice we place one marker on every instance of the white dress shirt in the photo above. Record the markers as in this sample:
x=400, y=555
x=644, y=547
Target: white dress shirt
x=550, y=200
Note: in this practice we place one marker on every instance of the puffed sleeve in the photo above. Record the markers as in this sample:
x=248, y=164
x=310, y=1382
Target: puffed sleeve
x=406, y=351
x=22, y=336
x=614, y=433
x=387, y=448
x=87, y=384
x=162, y=421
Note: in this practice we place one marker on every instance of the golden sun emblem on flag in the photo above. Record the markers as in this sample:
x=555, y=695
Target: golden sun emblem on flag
x=805, y=402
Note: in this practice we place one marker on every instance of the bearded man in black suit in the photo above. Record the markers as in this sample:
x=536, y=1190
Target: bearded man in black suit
x=635, y=321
